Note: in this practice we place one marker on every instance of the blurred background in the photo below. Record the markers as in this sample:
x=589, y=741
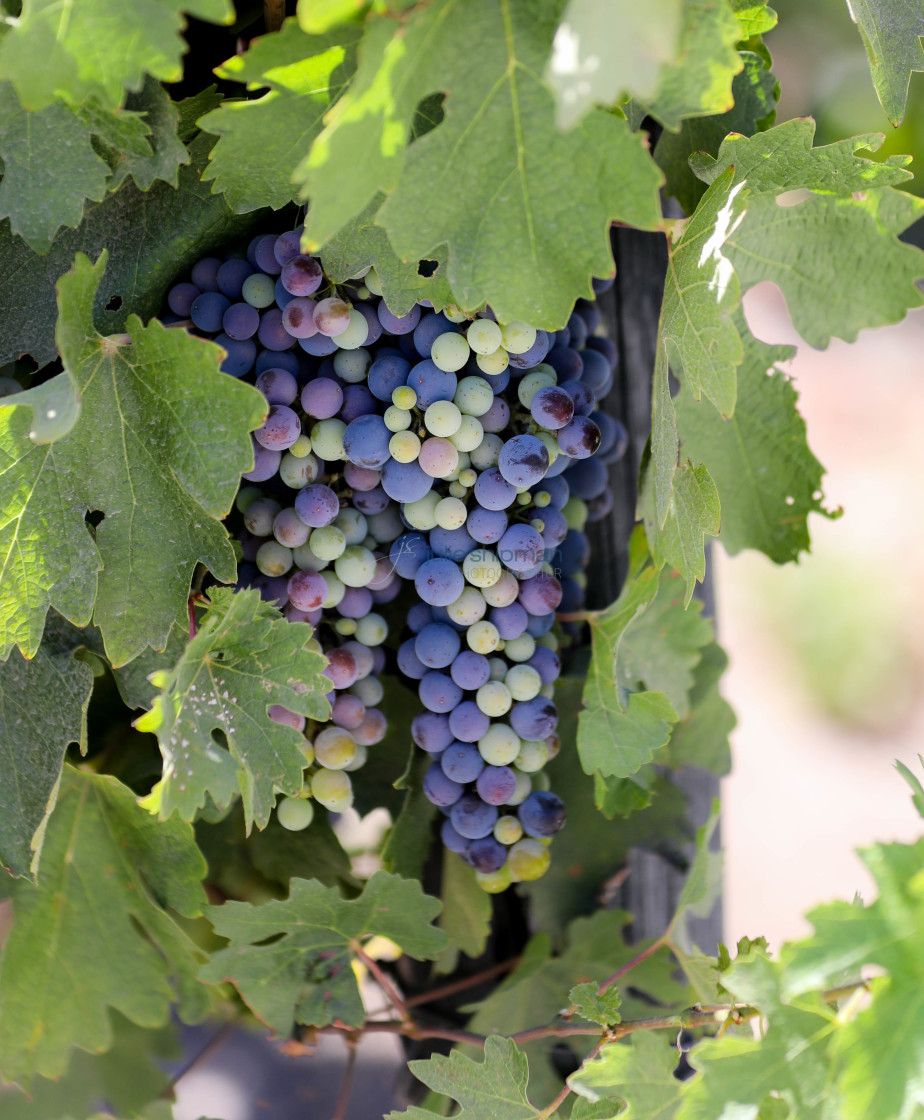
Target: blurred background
x=827, y=657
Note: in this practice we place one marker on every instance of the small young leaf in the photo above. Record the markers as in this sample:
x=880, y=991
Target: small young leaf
x=97, y=923
x=244, y=658
x=306, y=975
x=590, y=1004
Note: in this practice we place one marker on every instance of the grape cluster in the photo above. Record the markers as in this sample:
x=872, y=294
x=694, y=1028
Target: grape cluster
x=443, y=458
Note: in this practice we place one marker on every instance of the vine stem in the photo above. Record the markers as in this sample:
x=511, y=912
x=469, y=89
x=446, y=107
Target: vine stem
x=384, y=982
x=274, y=12
x=653, y=948
x=214, y=1044
x=566, y=1090
x=462, y=985
x=346, y=1085
x=577, y=616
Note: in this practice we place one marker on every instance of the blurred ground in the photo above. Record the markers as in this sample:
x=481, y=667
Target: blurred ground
x=827, y=657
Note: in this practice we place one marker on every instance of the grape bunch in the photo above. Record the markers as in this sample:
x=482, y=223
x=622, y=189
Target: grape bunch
x=444, y=459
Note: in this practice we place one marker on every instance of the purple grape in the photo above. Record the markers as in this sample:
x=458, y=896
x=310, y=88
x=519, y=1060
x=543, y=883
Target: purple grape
x=358, y=402
x=510, y=620
x=547, y=664
x=365, y=442
x=533, y=719
x=486, y=854
x=269, y=360
x=542, y=814
x=272, y=334
x=554, y=526
x=319, y=346
x=356, y=602
x=431, y=384
x=540, y=595
x=278, y=386
x=497, y=381
x=180, y=299
x=493, y=491
x=539, y=624
x=266, y=463
x=302, y=275
x=231, y=277
x=430, y=731
x=578, y=329
x=497, y=417
x=386, y=374
x=523, y=460
x=470, y=670
x=451, y=544
x=521, y=548
x=607, y=348
x=280, y=429
x=473, y=818
x=373, y=326
x=264, y=257
x=587, y=478
x=597, y=374
x=452, y=840
x=579, y=439
x=207, y=310
x=462, y=763
x=428, y=330
x=408, y=661
x=322, y=398
x=307, y=591
x=468, y=722
x=240, y=321
x=239, y=356
x=287, y=245
x=496, y=784
x=535, y=354
x=439, y=582
x=398, y=324
x=360, y=478
x=486, y=526
x=405, y=482
x=371, y=501
x=205, y=274
x=614, y=439
x=440, y=790
x=558, y=491
x=317, y=505
x=582, y=396
x=419, y=616
x=566, y=362
x=407, y=553
x=282, y=297
x=272, y=590
x=298, y=317
x=437, y=645
x=438, y=692
x=552, y=407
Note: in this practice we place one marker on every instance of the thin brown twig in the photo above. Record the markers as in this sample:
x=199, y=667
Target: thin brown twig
x=657, y=944
x=384, y=982
x=346, y=1085
x=566, y=1090
x=274, y=12
x=215, y=1043
x=462, y=985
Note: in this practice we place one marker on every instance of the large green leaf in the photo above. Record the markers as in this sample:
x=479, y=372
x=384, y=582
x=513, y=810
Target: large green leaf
x=304, y=974
x=636, y=40
x=639, y=1072
x=263, y=141
x=43, y=708
x=98, y=48
x=244, y=658
x=523, y=209
x=162, y=390
x=95, y=931
x=701, y=739
x=151, y=238
x=484, y=1090
x=892, y=37
x=51, y=166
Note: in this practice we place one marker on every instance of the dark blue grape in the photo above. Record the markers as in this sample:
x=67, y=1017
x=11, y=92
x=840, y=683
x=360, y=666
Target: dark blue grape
x=205, y=274
x=231, y=277
x=439, y=582
x=451, y=544
x=271, y=333
x=405, y=482
x=431, y=384
x=566, y=362
x=409, y=663
x=387, y=373
x=533, y=719
x=468, y=722
x=510, y=620
x=452, y=840
x=240, y=321
x=486, y=855
x=264, y=257
x=437, y=645
x=207, y=310
x=371, y=501
x=398, y=324
x=523, y=460
x=470, y=670
x=473, y=818
x=428, y=330
x=579, y=439
x=440, y=790
x=240, y=356
x=496, y=784
x=180, y=299
x=587, y=479
x=407, y=553
x=542, y=814
x=438, y=691
x=462, y=762
x=365, y=442
x=430, y=731
x=493, y=491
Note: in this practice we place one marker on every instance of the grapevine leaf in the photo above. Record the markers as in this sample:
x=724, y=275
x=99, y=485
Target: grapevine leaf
x=43, y=708
x=597, y=1110
x=167, y=152
x=315, y=18
x=262, y=142
x=190, y=109
x=892, y=36
x=488, y=181
x=151, y=238
x=590, y=1004
x=917, y=789
x=361, y=243
x=97, y=922
x=305, y=975
x=835, y=253
x=485, y=1090
x=753, y=18
x=47, y=56
x=466, y=916
x=755, y=91
x=164, y=389
x=662, y=645
x=244, y=658
x=639, y=1072
x=51, y=167
x=702, y=884
x=767, y=478
x=882, y=1047
x=701, y=739
x=792, y=1060
x=699, y=81
x=132, y=680
x=636, y=40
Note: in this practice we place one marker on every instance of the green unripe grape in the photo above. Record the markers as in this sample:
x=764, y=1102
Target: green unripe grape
x=245, y=496
x=504, y=592
x=352, y=524
x=358, y=760
x=422, y=513
x=520, y=649
x=532, y=383
x=542, y=499
x=482, y=637
x=373, y=283
x=494, y=699
x=548, y=691
x=575, y=512
x=297, y=473
x=468, y=477
x=369, y=689
x=351, y=365
x=517, y=337
x=327, y=438
x=451, y=513
x=484, y=336
x=306, y=560
x=307, y=749
x=404, y=447
x=523, y=498
x=474, y=395
x=404, y=397
x=508, y=830
x=328, y=542
x=523, y=790
x=551, y=444
x=457, y=490
x=273, y=558
x=335, y=590
x=580, y=578
x=499, y=745
x=469, y=608
x=454, y=314
x=449, y=352
x=334, y=747
x=469, y=435
x=362, y=292
x=397, y=419
x=301, y=447
x=346, y=627
x=482, y=568
x=528, y=860
x=494, y=882
x=442, y=418
x=294, y=813
x=486, y=454
x=534, y=754
x=371, y=630
x=541, y=780
x=549, y=640
x=355, y=334
x=332, y=789
x=260, y=515
x=497, y=667
x=493, y=363
x=259, y=290
x=356, y=567
x=523, y=681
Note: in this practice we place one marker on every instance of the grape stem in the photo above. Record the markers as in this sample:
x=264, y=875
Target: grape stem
x=384, y=982
x=464, y=984
x=214, y=1044
x=577, y=616
x=346, y=1085
x=274, y=12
